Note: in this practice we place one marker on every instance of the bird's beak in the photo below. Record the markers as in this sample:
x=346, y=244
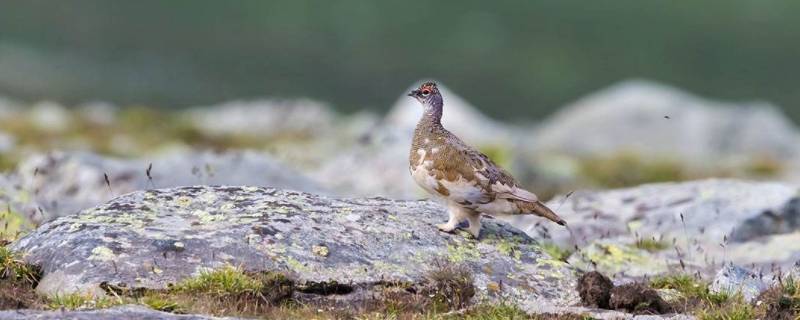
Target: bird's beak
x=413, y=93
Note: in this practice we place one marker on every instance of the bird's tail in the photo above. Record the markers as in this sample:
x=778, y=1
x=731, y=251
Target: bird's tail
x=538, y=208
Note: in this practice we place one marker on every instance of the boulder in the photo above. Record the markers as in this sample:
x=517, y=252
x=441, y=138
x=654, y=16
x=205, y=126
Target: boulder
x=55, y=184
x=658, y=120
x=154, y=238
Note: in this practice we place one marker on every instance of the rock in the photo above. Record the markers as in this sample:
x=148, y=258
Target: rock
x=264, y=118
x=630, y=116
x=116, y=313
x=595, y=290
x=734, y=280
x=377, y=167
x=772, y=221
x=677, y=225
x=150, y=239
x=58, y=184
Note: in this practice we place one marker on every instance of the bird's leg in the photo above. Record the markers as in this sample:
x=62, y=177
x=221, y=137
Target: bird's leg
x=452, y=223
x=474, y=219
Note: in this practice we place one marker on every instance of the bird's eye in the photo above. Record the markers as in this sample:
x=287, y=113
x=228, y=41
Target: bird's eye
x=425, y=92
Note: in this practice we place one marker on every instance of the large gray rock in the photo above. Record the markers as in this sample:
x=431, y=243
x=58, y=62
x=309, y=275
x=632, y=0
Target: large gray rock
x=149, y=239
x=128, y=312
x=56, y=184
x=699, y=224
x=630, y=116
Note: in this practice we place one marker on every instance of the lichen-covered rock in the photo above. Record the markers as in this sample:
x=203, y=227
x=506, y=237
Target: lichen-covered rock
x=654, y=228
x=56, y=184
x=116, y=313
x=149, y=239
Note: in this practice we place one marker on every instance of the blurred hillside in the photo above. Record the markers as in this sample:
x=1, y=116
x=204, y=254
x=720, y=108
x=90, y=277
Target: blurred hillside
x=511, y=59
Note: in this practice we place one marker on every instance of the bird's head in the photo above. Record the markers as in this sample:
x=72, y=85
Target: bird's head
x=427, y=94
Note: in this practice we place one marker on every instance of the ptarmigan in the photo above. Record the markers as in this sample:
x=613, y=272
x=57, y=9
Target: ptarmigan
x=468, y=180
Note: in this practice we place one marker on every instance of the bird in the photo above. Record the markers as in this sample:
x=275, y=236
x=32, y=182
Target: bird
x=468, y=181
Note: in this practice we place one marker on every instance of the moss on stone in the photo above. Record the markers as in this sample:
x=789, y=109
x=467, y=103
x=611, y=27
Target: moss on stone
x=629, y=169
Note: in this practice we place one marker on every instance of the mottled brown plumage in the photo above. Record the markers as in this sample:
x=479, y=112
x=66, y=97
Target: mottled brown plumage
x=467, y=179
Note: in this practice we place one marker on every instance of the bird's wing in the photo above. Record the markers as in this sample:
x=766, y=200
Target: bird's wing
x=477, y=179
x=498, y=180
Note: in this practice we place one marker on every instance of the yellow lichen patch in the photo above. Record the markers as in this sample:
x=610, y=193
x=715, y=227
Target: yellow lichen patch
x=462, y=252
x=102, y=253
x=493, y=288
x=206, y=217
x=612, y=258
x=321, y=251
x=183, y=201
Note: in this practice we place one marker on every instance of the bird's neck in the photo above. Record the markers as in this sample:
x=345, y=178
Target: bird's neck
x=432, y=115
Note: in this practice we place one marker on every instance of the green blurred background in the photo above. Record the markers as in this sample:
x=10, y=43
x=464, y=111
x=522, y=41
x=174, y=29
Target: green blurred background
x=511, y=58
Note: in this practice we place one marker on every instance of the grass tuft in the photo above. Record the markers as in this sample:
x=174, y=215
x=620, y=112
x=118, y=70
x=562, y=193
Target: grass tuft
x=651, y=245
x=81, y=301
x=12, y=267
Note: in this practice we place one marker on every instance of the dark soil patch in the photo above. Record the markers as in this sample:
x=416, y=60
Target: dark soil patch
x=638, y=298
x=15, y=294
x=595, y=290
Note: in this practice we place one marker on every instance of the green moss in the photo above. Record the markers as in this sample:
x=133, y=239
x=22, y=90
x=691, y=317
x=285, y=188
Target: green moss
x=556, y=252
x=628, y=169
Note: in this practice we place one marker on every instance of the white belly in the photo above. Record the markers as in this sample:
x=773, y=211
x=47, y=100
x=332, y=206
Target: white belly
x=422, y=177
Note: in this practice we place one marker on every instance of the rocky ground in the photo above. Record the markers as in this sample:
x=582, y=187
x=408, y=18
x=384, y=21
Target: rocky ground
x=286, y=209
